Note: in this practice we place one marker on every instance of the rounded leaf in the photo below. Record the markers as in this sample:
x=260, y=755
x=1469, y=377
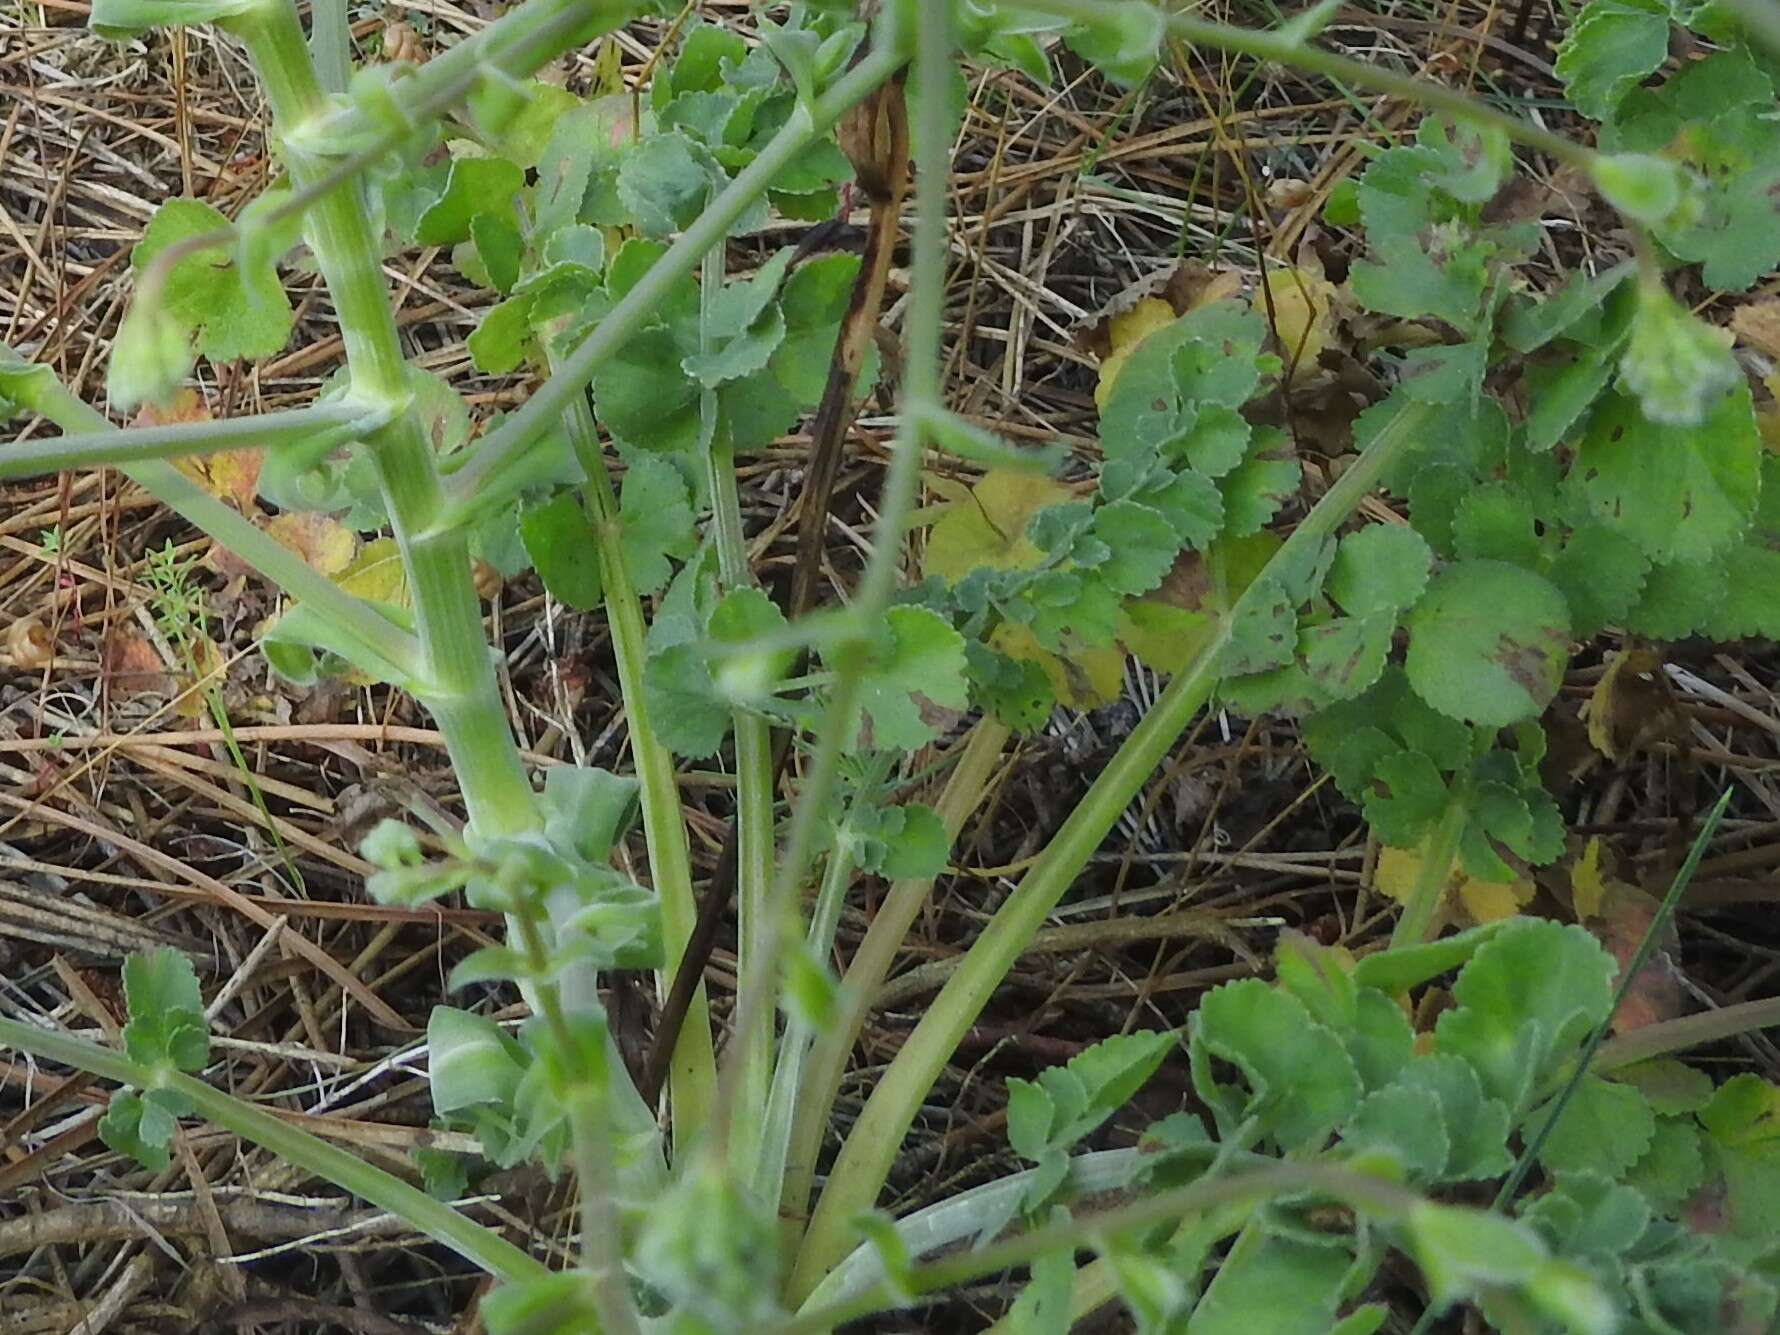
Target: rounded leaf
x=1488, y=643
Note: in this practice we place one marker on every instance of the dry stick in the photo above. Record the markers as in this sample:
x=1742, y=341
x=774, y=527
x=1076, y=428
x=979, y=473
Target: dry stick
x=874, y=135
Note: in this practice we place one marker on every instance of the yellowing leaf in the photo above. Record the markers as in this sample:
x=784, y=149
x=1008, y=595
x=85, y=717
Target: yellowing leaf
x=1587, y=886
x=1087, y=680
x=377, y=574
x=1631, y=706
x=1399, y=869
x=1300, y=302
x=1165, y=637
x=1126, y=330
x=1490, y=901
x=1757, y=325
x=325, y=543
x=987, y=525
x=228, y=475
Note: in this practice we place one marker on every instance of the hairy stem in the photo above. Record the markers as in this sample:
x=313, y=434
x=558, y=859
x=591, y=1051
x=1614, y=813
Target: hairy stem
x=461, y=690
x=877, y=1135
x=99, y=449
x=1434, y=874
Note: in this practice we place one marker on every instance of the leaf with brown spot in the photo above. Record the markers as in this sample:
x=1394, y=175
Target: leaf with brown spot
x=228, y=475
x=1632, y=707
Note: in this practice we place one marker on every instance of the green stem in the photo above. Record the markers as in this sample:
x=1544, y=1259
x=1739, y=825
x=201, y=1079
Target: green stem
x=781, y=1103
x=462, y=692
x=438, y=1220
x=751, y=1047
x=1434, y=874
x=43, y=394
x=693, y=1073
x=858, y=1174
x=1373, y=1196
x=1291, y=49
x=97, y=449
x=602, y=1254
x=870, y=965
x=330, y=41
x=488, y=479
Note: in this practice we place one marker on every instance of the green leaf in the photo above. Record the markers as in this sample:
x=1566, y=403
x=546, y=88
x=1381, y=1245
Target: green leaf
x=1264, y=633
x=474, y=185
x=1642, y=186
x=564, y=550
x=1588, y=1215
x=235, y=310
x=471, y=1062
x=587, y=810
x=1255, y=490
x=1529, y=327
x=1301, y=1083
x=1673, y=1168
x=1488, y=643
x=1144, y=545
x=498, y=246
x=655, y=522
x=150, y=356
x=919, y=664
x=1463, y=1251
x=1682, y=493
x=118, y=19
x=1476, y=1126
x=683, y=705
x=1605, y=1128
x=167, y=1026
x=559, y=1303
x=1529, y=996
x=903, y=841
x=1404, y=1122
x=1279, y=1285
x=1043, y=1307
x=664, y=182
x=1380, y=568
x=1610, y=46
x=1677, y=366
x=1122, y=46
x=139, y=1128
x=1600, y=572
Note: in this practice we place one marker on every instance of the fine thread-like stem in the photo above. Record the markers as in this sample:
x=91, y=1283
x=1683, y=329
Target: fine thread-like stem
x=877, y=1134
x=489, y=478
x=437, y=1219
x=693, y=1071
x=827, y=1061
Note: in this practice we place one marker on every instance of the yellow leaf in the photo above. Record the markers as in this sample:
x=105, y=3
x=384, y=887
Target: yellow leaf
x=1631, y=705
x=987, y=526
x=1127, y=329
x=1086, y=680
x=325, y=543
x=1399, y=869
x=377, y=574
x=228, y=475
x=1587, y=886
x=1490, y=901
x=1165, y=637
x=1300, y=302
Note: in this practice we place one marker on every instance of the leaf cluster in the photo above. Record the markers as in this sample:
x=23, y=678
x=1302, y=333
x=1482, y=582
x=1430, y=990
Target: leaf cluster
x=1654, y=1208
